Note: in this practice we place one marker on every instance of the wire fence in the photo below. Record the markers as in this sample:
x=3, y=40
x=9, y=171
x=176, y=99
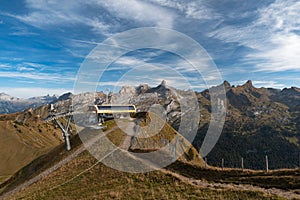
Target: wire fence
x=258, y=162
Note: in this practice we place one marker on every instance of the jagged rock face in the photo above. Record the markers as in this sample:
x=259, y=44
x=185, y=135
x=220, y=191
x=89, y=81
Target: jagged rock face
x=124, y=95
x=144, y=97
x=142, y=88
x=128, y=90
x=65, y=96
x=289, y=97
x=245, y=103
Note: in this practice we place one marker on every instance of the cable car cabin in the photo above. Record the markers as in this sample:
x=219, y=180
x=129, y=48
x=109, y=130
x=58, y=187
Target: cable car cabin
x=112, y=111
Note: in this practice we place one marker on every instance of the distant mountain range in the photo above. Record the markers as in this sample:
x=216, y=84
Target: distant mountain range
x=9, y=104
x=259, y=121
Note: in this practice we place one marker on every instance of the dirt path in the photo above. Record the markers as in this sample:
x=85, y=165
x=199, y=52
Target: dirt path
x=128, y=128
x=239, y=187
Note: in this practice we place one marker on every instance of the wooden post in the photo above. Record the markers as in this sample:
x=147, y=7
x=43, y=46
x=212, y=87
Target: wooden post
x=242, y=163
x=299, y=159
x=267, y=164
x=205, y=159
x=222, y=163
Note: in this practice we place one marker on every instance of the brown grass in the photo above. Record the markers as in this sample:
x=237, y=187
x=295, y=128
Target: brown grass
x=24, y=137
x=102, y=182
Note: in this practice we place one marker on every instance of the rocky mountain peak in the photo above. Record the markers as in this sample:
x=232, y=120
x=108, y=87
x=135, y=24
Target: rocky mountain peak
x=65, y=96
x=6, y=97
x=163, y=83
x=226, y=84
x=161, y=89
x=295, y=89
x=142, y=88
x=248, y=84
x=127, y=90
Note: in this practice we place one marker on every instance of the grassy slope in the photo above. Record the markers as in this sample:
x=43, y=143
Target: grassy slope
x=24, y=137
x=102, y=182
x=146, y=140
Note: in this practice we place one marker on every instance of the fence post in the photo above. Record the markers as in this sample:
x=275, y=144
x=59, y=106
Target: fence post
x=242, y=163
x=298, y=159
x=267, y=163
x=222, y=163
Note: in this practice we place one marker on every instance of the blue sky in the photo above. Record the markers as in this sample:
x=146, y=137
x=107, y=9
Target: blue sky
x=43, y=43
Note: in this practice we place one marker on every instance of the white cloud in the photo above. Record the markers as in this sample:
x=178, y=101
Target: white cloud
x=282, y=15
x=140, y=11
x=265, y=84
x=83, y=43
x=25, y=68
x=44, y=13
x=193, y=9
x=173, y=81
x=273, y=37
x=36, y=76
x=5, y=66
x=282, y=49
x=268, y=84
x=22, y=31
x=282, y=55
x=131, y=61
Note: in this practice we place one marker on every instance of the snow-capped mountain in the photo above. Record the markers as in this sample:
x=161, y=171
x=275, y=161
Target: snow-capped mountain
x=9, y=104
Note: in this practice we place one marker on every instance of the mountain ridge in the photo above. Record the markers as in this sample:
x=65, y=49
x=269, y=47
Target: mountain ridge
x=10, y=104
x=254, y=116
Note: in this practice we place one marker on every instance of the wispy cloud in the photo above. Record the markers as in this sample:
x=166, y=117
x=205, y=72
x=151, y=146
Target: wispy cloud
x=57, y=13
x=101, y=16
x=282, y=52
x=33, y=71
x=247, y=39
x=22, y=31
x=140, y=11
x=36, y=76
x=25, y=68
x=265, y=84
x=281, y=55
x=268, y=84
x=5, y=66
x=190, y=9
x=273, y=37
